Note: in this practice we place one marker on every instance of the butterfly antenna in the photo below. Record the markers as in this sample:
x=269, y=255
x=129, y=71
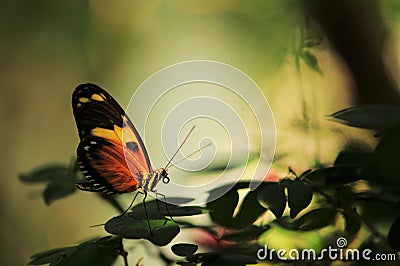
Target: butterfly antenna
x=180, y=146
x=190, y=155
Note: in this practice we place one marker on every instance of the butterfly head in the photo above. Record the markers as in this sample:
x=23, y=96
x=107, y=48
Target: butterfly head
x=163, y=175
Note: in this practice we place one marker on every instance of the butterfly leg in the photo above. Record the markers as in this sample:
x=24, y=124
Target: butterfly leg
x=130, y=205
x=145, y=210
x=166, y=205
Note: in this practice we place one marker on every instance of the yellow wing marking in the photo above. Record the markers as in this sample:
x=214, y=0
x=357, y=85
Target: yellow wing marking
x=98, y=97
x=84, y=100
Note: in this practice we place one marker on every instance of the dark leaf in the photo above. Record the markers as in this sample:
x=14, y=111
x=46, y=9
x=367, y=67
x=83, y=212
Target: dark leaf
x=159, y=209
x=352, y=224
x=185, y=263
x=98, y=252
x=184, y=249
x=315, y=219
x=284, y=222
x=201, y=257
x=57, y=190
x=46, y=174
x=238, y=258
x=369, y=116
x=394, y=235
x=299, y=197
x=356, y=159
x=339, y=174
x=49, y=256
x=221, y=209
x=310, y=60
x=346, y=196
x=383, y=169
x=227, y=259
x=162, y=230
x=250, y=210
x=272, y=196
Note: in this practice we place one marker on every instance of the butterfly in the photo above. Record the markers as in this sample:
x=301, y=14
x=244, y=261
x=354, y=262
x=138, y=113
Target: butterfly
x=100, y=154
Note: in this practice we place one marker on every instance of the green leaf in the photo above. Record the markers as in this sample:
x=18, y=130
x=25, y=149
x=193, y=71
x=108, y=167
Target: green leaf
x=99, y=252
x=310, y=60
x=46, y=174
x=357, y=159
x=162, y=230
x=201, y=257
x=50, y=256
x=394, y=235
x=160, y=209
x=315, y=219
x=250, y=210
x=272, y=196
x=60, y=178
x=184, y=249
x=299, y=196
x=339, y=174
x=383, y=167
x=352, y=225
x=369, y=116
x=229, y=259
x=222, y=209
x=58, y=190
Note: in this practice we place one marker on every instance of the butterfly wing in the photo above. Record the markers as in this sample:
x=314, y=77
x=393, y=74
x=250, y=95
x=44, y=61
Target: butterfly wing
x=100, y=154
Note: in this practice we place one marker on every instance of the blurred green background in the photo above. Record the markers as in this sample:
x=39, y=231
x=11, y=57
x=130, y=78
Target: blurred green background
x=49, y=47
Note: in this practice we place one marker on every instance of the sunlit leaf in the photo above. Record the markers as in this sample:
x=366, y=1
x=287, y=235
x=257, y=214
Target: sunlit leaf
x=184, y=249
x=315, y=219
x=162, y=230
x=272, y=196
x=369, y=116
x=299, y=197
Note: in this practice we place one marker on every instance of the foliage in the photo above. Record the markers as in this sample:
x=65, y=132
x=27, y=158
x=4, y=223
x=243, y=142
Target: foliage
x=352, y=196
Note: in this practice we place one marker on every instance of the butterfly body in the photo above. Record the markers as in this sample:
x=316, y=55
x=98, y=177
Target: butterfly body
x=111, y=164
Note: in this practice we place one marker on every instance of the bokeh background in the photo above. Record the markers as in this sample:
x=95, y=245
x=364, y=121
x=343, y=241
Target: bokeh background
x=47, y=48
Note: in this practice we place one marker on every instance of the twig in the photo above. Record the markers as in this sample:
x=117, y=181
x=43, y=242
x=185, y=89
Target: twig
x=124, y=255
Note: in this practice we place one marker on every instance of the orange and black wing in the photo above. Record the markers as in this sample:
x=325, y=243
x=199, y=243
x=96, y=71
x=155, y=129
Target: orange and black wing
x=100, y=154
